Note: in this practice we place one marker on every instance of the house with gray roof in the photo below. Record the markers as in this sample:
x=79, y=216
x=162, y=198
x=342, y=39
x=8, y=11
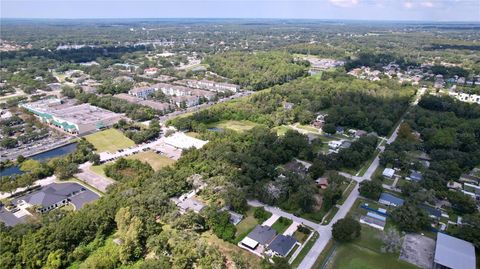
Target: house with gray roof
x=453, y=253
x=261, y=235
x=56, y=195
x=282, y=245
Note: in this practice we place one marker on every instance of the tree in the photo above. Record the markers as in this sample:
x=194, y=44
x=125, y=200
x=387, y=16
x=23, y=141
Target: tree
x=371, y=189
x=346, y=230
x=329, y=128
x=410, y=218
x=317, y=169
x=462, y=203
x=20, y=159
x=469, y=230
x=392, y=241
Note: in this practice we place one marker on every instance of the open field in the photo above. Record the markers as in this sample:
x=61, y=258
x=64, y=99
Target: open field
x=109, y=140
x=98, y=169
x=282, y=129
x=155, y=160
x=239, y=126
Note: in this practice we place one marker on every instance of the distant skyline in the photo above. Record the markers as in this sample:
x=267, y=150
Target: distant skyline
x=395, y=10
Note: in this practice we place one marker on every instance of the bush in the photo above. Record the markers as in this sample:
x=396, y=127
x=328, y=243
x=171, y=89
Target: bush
x=261, y=214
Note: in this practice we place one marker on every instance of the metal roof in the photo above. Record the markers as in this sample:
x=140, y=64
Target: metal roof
x=391, y=199
x=454, y=253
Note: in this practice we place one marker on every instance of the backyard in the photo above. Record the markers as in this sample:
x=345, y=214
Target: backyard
x=109, y=140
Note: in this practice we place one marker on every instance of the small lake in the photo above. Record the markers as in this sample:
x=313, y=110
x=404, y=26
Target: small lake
x=44, y=156
x=215, y=129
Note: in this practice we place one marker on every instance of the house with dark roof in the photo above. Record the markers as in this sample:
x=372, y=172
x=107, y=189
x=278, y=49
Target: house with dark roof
x=261, y=235
x=453, y=253
x=433, y=213
x=390, y=200
x=282, y=245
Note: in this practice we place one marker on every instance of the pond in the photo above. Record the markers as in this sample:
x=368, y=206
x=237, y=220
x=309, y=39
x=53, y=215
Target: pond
x=53, y=153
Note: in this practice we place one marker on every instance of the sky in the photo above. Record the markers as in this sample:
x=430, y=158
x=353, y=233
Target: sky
x=392, y=10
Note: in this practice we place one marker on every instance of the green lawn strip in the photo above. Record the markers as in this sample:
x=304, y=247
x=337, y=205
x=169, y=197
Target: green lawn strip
x=239, y=126
x=347, y=192
x=330, y=215
x=367, y=164
x=292, y=252
x=281, y=225
x=109, y=140
x=301, y=237
x=306, y=248
x=326, y=253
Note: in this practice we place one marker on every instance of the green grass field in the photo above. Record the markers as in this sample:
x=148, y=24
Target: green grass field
x=109, y=140
x=155, y=160
x=239, y=126
x=98, y=169
x=282, y=129
x=352, y=256
x=281, y=225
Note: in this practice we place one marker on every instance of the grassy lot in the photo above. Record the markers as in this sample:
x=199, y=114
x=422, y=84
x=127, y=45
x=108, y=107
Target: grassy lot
x=193, y=134
x=308, y=128
x=109, y=140
x=155, y=160
x=352, y=256
x=229, y=250
x=246, y=225
x=281, y=225
x=364, y=253
x=282, y=129
x=239, y=126
x=98, y=169
x=306, y=248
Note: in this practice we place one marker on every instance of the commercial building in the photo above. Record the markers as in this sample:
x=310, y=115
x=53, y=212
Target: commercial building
x=453, y=253
x=210, y=85
x=72, y=118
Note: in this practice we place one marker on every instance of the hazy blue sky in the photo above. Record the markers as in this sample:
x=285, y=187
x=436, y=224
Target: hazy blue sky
x=432, y=10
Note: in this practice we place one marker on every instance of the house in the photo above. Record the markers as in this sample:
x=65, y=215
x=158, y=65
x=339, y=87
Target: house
x=416, y=175
x=334, y=144
x=453, y=253
x=454, y=185
x=288, y=106
x=322, y=182
x=339, y=130
x=374, y=220
x=388, y=173
x=433, y=213
x=282, y=245
x=469, y=179
x=345, y=144
x=390, y=200
x=235, y=217
x=471, y=190
x=190, y=204
x=261, y=235
x=360, y=133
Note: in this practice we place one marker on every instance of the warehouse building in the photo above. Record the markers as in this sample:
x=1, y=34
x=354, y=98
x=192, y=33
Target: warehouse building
x=72, y=118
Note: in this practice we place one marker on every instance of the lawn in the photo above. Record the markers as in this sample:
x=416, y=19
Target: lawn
x=155, y=160
x=239, y=126
x=330, y=215
x=98, y=169
x=246, y=225
x=281, y=225
x=109, y=140
x=282, y=129
x=300, y=236
x=352, y=256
